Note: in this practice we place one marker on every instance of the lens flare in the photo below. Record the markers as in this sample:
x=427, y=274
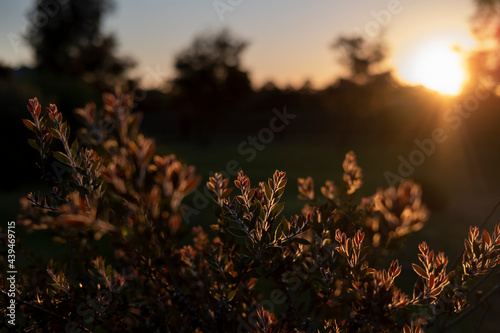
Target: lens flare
x=437, y=67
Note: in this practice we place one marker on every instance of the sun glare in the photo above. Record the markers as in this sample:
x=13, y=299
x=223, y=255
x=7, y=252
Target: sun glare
x=437, y=67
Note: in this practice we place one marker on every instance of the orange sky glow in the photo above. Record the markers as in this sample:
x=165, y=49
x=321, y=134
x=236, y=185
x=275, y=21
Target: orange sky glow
x=289, y=42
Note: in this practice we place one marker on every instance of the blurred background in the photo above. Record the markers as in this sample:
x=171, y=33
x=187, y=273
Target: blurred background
x=411, y=86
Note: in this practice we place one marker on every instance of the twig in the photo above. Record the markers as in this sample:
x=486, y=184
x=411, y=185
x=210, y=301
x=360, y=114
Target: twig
x=36, y=307
x=472, y=308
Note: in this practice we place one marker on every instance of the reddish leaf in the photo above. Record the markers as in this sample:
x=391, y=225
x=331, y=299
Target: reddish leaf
x=420, y=271
x=486, y=237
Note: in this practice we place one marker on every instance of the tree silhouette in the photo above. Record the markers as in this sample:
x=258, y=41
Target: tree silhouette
x=5, y=72
x=209, y=79
x=359, y=56
x=66, y=37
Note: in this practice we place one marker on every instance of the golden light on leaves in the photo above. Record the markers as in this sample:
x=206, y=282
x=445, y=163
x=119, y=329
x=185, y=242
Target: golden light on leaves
x=137, y=205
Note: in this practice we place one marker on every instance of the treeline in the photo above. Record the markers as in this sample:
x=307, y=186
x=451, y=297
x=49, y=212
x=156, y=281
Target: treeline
x=211, y=96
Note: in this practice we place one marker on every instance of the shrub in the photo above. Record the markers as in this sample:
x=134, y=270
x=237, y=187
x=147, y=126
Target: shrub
x=115, y=207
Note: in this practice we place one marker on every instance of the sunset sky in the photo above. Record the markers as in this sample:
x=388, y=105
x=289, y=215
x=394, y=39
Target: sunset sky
x=289, y=40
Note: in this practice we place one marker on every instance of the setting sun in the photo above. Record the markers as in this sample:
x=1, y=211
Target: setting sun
x=437, y=67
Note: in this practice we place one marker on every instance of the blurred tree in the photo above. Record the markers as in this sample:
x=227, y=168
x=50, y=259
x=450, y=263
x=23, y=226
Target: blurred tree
x=367, y=78
x=484, y=61
x=209, y=80
x=5, y=72
x=66, y=37
x=359, y=56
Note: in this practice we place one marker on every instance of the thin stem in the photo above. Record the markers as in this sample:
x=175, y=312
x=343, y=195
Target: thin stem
x=36, y=307
x=240, y=222
x=70, y=155
x=472, y=308
x=42, y=206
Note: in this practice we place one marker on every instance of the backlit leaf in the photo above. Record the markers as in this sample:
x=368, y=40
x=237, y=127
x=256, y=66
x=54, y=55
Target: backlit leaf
x=420, y=271
x=55, y=133
x=268, y=191
x=29, y=124
x=61, y=157
x=226, y=193
x=277, y=209
x=231, y=295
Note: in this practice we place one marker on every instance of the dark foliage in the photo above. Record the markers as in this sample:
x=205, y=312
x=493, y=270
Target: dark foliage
x=116, y=210
x=66, y=37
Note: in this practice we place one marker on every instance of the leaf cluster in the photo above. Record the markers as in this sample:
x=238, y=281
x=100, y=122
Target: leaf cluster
x=118, y=214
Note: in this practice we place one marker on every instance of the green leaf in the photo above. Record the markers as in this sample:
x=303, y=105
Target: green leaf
x=74, y=148
x=55, y=133
x=266, y=237
x=277, y=209
x=285, y=226
x=472, y=281
x=301, y=241
x=108, y=270
x=261, y=211
x=278, y=232
x=237, y=232
x=64, y=130
x=61, y=157
x=98, y=181
x=29, y=124
x=94, y=166
x=268, y=191
x=33, y=144
x=240, y=200
x=280, y=192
